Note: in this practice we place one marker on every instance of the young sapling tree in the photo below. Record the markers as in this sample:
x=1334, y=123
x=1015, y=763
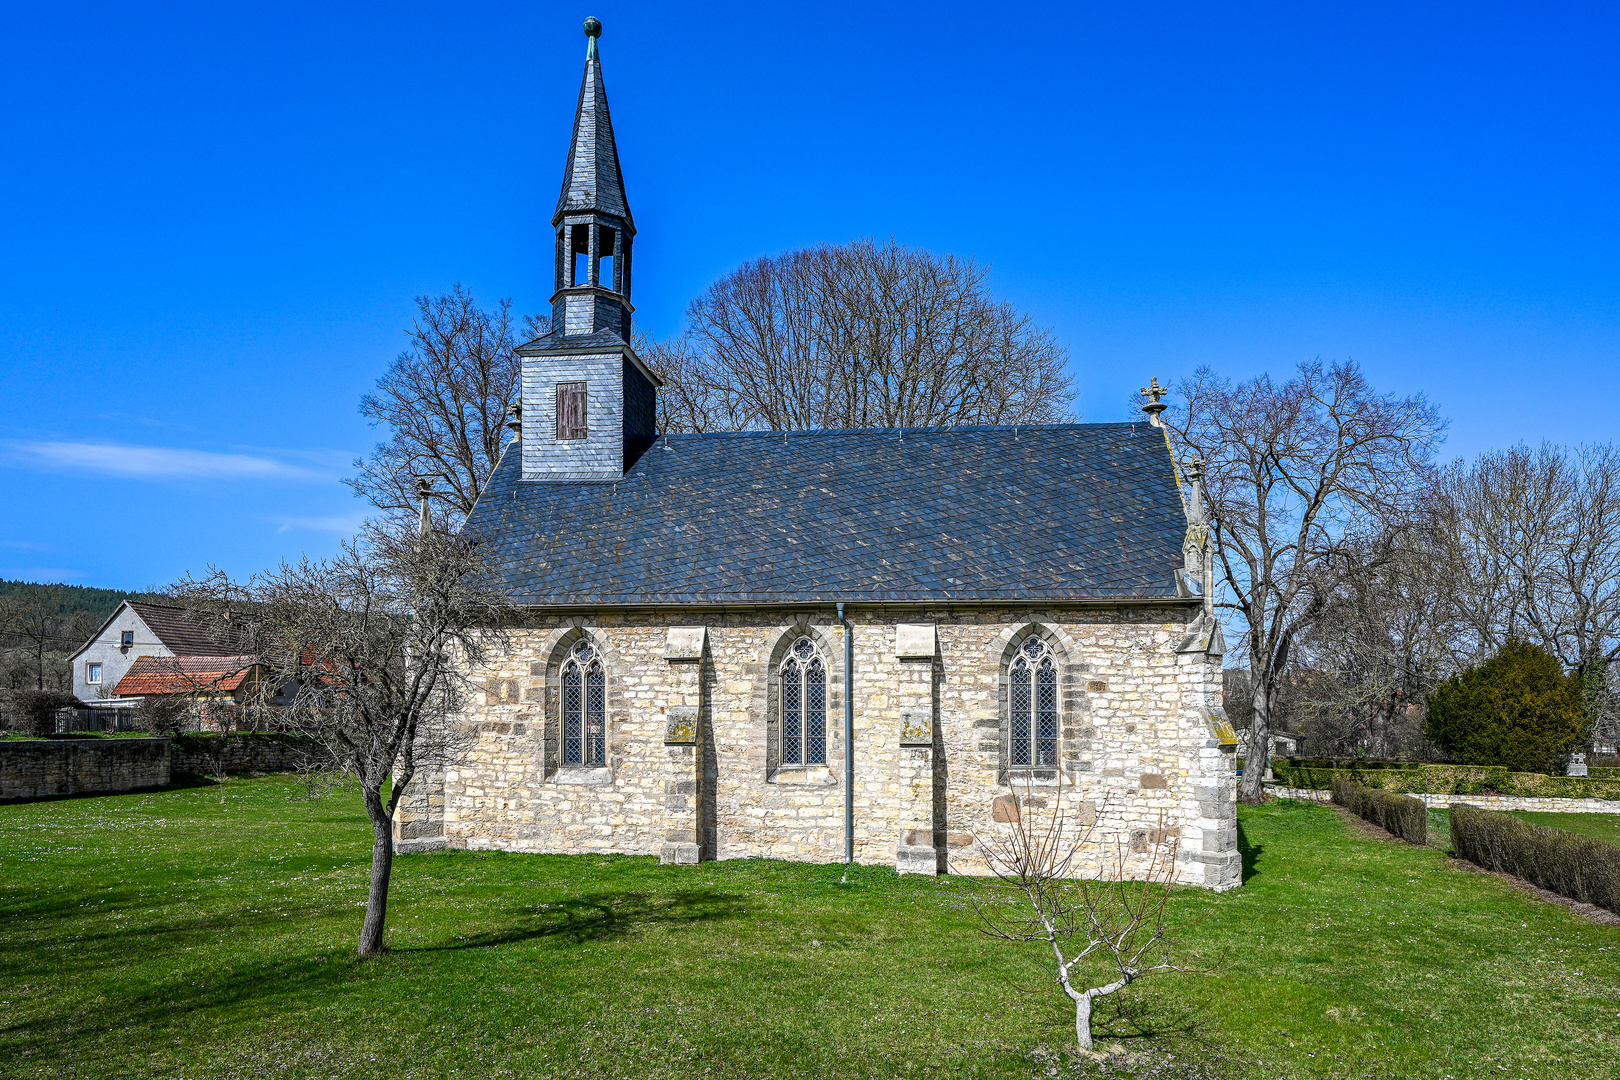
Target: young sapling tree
x=1104, y=933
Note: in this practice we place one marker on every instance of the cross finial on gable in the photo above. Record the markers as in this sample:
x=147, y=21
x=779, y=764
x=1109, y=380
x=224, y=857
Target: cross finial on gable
x=1154, y=407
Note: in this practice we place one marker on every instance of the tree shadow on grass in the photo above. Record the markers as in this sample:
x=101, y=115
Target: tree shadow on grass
x=1250, y=852
x=167, y=1002
x=598, y=918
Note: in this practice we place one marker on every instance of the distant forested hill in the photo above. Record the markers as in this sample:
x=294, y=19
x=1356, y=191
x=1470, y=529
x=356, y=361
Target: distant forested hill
x=98, y=603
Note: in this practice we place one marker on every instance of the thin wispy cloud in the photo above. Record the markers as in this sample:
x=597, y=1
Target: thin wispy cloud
x=47, y=574
x=341, y=524
x=154, y=462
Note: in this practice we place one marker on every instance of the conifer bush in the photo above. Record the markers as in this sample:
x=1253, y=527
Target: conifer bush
x=1582, y=868
x=1401, y=815
x=1517, y=710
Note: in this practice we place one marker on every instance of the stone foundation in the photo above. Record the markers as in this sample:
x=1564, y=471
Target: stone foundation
x=693, y=769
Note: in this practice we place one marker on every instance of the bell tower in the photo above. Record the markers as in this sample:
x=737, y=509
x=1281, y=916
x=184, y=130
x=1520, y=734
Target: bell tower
x=593, y=225
x=589, y=404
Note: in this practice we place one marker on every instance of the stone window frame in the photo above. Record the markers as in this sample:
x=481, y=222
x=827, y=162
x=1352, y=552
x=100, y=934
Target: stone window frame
x=1074, y=733
x=768, y=705
x=806, y=663
x=584, y=661
x=557, y=649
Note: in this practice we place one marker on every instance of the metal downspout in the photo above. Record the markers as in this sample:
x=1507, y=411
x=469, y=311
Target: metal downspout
x=849, y=744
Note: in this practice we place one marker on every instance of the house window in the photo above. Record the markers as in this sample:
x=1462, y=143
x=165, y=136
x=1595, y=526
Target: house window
x=804, y=705
x=571, y=411
x=92, y=673
x=584, y=707
x=126, y=639
x=1033, y=706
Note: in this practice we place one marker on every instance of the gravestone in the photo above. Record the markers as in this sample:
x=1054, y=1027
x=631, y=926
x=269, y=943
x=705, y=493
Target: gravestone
x=1577, y=765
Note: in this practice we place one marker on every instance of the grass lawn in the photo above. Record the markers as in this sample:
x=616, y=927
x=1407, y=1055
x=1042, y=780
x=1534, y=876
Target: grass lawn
x=175, y=934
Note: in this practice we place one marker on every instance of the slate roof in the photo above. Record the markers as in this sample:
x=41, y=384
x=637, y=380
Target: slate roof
x=183, y=675
x=592, y=179
x=1054, y=512
x=184, y=633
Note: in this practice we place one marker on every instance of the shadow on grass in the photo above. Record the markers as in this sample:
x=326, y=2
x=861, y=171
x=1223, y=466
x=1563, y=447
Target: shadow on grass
x=600, y=917
x=178, y=782
x=325, y=977
x=1148, y=1016
x=1250, y=852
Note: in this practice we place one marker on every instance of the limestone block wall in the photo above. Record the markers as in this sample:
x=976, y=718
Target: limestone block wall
x=1484, y=802
x=34, y=768
x=1139, y=762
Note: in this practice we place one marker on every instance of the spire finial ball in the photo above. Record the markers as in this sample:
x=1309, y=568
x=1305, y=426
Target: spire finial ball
x=593, y=27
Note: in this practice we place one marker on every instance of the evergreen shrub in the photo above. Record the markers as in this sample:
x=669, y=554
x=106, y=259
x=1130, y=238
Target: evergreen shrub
x=1517, y=710
x=1582, y=868
x=1401, y=815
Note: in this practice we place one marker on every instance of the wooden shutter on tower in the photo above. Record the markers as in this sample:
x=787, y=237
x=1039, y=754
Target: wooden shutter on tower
x=571, y=410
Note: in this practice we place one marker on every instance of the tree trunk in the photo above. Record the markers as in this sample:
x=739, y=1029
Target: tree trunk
x=1257, y=755
x=1082, y=1021
x=382, y=868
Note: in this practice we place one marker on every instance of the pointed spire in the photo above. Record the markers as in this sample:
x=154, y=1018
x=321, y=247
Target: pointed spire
x=591, y=179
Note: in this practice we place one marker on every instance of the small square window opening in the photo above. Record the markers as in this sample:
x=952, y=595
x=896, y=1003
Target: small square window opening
x=127, y=638
x=92, y=673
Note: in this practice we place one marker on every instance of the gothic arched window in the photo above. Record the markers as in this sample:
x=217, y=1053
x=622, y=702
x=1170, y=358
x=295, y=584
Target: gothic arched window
x=584, y=707
x=804, y=705
x=1033, y=706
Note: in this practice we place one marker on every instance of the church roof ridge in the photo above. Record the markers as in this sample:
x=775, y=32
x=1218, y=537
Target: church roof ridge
x=939, y=429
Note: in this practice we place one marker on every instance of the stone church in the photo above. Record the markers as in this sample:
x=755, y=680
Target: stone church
x=876, y=645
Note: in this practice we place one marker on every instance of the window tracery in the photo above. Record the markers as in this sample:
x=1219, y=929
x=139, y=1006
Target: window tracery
x=1033, y=706
x=804, y=705
x=584, y=707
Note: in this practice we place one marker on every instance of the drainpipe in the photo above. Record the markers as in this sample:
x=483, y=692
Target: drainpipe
x=849, y=744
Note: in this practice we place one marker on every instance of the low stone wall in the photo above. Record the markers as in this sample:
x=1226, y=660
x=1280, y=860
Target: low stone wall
x=35, y=768
x=1484, y=802
x=243, y=754
x=1307, y=794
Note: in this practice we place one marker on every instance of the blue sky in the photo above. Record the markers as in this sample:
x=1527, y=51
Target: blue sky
x=215, y=218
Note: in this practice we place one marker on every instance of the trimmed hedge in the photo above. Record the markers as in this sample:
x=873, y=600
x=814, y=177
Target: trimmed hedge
x=1580, y=867
x=1342, y=763
x=1403, y=817
x=1454, y=780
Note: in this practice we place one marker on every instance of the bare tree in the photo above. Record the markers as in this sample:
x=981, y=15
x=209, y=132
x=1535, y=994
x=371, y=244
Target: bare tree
x=1296, y=471
x=444, y=401
x=1382, y=640
x=1120, y=922
x=379, y=640
x=864, y=334
x=1532, y=538
x=40, y=626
